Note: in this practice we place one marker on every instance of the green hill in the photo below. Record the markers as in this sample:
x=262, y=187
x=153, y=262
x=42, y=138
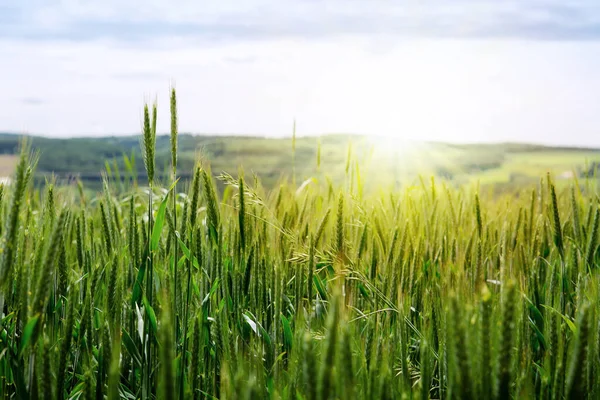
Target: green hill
x=381, y=162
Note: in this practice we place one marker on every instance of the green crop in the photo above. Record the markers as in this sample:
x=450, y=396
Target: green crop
x=314, y=291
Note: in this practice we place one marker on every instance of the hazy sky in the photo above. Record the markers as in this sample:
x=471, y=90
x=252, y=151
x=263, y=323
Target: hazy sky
x=460, y=70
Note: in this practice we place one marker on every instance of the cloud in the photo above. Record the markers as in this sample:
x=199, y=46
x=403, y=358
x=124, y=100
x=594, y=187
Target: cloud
x=226, y=20
x=140, y=74
x=426, y=89
x=460, y=70
x=240, y=59
x=32, y=101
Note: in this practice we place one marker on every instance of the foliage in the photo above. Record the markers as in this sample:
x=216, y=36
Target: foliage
x=314, y=291
x=383, y=162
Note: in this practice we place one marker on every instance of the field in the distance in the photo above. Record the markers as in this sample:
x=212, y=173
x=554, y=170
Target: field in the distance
x=383, y=162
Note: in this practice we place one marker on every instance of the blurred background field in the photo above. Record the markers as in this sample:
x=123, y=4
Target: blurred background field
x=379, y=162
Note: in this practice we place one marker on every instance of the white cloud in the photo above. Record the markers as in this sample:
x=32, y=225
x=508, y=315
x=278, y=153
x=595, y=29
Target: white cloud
x=239, y=19
x=464, y=70
x=455, y=90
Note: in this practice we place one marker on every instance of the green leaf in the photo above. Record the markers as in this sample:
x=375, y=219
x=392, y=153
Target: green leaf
x=538, y=319
x=7, y=318
x=139, y=281
x=288, y=337
x=364, y=292
x=186, y=252
x=29, y=333
x=320, y=287
x=131, y=347
x=160, y=220
x=151, y=315
x=77, y=390
x=538, y=333
x=212, y=231
x=253, y=325
x=265, y=335
x=257, y=328
x=570, y=323
x=213, y=289
x=270, y=386
x=158, y=224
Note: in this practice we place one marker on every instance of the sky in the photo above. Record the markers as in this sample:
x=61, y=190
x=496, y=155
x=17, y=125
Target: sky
x=436, y=70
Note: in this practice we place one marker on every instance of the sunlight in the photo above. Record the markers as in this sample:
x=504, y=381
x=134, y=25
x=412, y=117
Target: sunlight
x=398, y=159
x=391, y=147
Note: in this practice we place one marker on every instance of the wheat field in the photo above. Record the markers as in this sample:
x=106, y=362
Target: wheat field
x=308, y=291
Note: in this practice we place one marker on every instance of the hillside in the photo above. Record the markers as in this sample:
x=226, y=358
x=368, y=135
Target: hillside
x=380, y=162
